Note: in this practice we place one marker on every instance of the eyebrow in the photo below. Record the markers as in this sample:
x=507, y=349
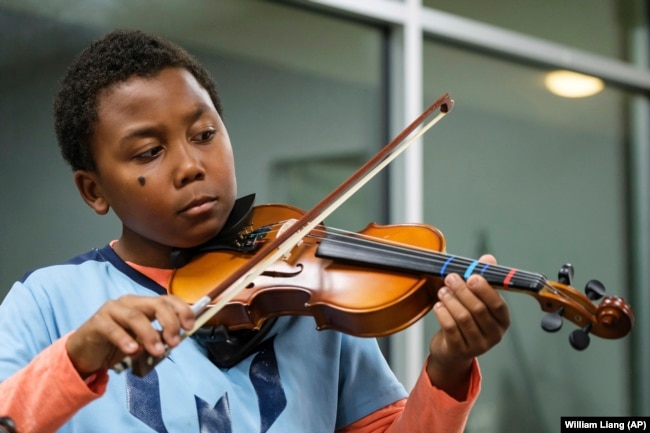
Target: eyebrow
x=196, y=114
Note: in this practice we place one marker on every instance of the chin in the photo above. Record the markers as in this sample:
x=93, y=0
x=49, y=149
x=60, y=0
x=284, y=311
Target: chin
x=200, y=237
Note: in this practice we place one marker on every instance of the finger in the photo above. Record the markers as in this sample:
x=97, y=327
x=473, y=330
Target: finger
x=478, y=320
x=479, y=297
x=489, y=298
x=183, y=310
x=137, y=319
x=487, y=309
x=110, y=322
x=488, y=258
x=460, y=304
x=172, y=315
x=448, y=324
x=144, y=319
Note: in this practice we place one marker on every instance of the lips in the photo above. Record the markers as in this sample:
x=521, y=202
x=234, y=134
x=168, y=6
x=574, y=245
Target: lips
x=198, y=206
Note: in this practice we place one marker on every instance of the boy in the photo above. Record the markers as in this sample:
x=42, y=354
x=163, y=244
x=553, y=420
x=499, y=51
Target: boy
x=139, y=121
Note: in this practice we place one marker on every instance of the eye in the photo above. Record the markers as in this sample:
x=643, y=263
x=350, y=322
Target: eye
x=149, y=154
x=205, y=136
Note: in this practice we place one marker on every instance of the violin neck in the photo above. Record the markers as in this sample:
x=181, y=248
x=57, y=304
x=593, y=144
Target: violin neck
x=362, y=251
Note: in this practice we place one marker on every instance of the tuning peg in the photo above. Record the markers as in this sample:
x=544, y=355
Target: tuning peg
x=594, y=290
x=579, y=338
x=565, y=274
x=552, y=322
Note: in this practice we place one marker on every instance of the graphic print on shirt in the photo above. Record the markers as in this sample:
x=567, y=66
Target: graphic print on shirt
x=143, y=396
x=214, y=419
x=143, y=399
x=265, y=377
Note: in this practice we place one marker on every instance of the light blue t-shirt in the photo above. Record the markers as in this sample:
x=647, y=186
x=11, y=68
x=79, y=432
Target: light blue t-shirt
x=297, y=380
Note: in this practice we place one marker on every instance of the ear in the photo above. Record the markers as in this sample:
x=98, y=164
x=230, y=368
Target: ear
x=91, y=191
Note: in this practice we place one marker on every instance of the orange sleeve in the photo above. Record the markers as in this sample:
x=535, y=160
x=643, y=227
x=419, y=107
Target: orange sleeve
x=48, y=391
x=427, y=410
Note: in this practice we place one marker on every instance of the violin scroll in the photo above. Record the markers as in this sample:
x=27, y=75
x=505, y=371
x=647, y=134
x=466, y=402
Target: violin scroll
x=612, y=318
x=615, y=317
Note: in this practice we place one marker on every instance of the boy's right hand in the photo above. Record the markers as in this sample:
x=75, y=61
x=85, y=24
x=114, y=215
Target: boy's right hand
x=123, y=327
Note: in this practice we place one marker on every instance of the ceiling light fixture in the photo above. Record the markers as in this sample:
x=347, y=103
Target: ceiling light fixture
x=572, y=84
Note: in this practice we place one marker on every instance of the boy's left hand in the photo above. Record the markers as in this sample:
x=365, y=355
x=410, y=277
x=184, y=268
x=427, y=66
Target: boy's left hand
x=473, y=318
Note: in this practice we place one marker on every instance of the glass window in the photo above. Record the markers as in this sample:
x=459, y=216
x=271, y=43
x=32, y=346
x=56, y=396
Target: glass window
x=579, y=24
x=536, y=180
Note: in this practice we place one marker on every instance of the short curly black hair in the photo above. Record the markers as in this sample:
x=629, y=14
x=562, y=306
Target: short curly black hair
x=105, y=62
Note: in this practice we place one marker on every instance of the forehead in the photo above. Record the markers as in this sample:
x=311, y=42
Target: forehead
x=169, y=87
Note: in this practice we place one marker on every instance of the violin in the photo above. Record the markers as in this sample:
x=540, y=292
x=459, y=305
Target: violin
x=375, y=282
x=275, y=260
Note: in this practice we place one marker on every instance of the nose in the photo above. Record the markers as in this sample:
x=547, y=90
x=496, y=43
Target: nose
x=188, y=164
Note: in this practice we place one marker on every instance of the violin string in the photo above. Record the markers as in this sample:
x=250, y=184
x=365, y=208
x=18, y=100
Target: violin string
x=409, y=252
x=342, y=236
x=432, y=256
x=438, y=258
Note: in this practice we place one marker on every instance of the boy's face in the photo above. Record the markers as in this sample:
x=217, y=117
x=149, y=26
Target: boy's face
x=164, y=161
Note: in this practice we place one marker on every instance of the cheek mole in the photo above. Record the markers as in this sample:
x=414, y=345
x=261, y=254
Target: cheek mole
x=141, y=180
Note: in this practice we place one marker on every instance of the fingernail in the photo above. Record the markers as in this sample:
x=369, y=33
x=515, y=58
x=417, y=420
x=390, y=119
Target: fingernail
x=452, y=279
x=131, y=346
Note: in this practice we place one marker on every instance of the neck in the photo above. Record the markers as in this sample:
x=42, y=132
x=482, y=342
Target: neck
x=369, y=252
x=144, y=253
